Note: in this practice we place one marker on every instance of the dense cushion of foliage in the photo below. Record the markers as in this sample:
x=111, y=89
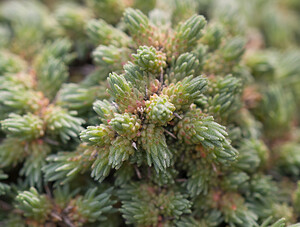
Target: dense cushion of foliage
x=150, y=113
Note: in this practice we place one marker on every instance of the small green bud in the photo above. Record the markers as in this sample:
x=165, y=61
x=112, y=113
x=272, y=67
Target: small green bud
x=159, y=109
x=103, y=33
x=97, y=135
x=105, y=110
x=233, y=49
x=213, y=36
x=149, y=59
x=185, y=92
x=187, y=35
x=136, y=21
x=126, y=96
x=111, y=56
x=27, y=127
x=186, y=64
x=34, y=205
x=126, y=124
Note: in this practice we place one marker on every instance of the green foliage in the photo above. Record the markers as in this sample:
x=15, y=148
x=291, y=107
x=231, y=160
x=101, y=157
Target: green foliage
x=126, y=97
x=188, y=33
x=105, y=110
x=100, y=167
x=12, y=152
x=65, y=166
x=186, y=64
x=149, y=59
x=92, y=206
x=32, y=168
x=79, y=98
x=101, y=32
x=198, y=128
x=109, y=10
x=10, y=63
x=141, y=204
x=252, y=155
x=154, y=143
x=199, y=180
x=3, y=187
x=137, y=23
x=279, y=106
x=34, y=206
x=111, y=56
x=186, y=92
x=120, y=151
x=226, y=98
x=62, y=123
x=159, y=109
x=27, y=127
x=288, y=160
x=17, y=96
x=149, y=113
x=126, y=125
x=97, y=135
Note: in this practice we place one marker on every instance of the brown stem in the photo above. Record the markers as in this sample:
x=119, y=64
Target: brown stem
x=138, y=173
x=68, y=221
x=178, y=116
x=170, y=133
